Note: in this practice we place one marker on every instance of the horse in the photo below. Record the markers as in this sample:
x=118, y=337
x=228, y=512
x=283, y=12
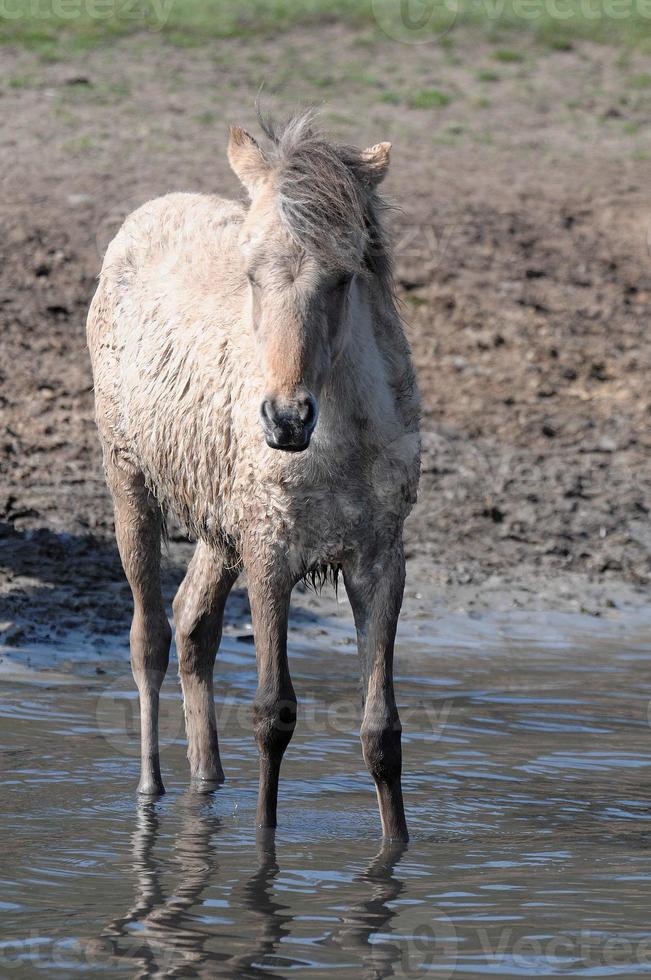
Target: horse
x=253, y=381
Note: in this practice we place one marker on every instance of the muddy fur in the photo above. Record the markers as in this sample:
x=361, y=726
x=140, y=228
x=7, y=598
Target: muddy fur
x=320, y=576
x=221, y=338
x=184, y=350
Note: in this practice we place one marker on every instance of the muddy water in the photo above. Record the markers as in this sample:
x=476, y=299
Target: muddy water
x=528, y=784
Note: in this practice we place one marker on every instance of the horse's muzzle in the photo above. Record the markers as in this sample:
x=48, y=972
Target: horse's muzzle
x=289, y=426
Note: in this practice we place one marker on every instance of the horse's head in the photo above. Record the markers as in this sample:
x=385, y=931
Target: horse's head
x=306, y=237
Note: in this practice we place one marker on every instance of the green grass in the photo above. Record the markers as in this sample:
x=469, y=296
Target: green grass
x=80, y=91
x=18, y=81
x=429, y=98
x=206, y=118
x=79, y=145
x=641, y=81
x=487, y=75
x=601, y=21
x=562, y=43
x=56, y=28
x=508, y=56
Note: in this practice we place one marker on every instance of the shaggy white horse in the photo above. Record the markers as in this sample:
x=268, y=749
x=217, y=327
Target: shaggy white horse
x=252, y=377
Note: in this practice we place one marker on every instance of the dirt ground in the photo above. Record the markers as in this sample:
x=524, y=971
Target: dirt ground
x=524, y=269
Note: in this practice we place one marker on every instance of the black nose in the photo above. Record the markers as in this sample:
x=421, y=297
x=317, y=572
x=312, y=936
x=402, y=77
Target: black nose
x=289, y=426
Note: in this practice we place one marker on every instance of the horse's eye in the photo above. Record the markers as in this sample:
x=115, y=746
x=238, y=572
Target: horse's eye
x=251, y=279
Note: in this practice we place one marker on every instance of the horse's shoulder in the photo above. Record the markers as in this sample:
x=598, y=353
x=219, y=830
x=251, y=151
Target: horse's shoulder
x=178, y=225
x=181, y=214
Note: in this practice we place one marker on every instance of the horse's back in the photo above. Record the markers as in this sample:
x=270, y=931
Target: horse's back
x=170, y=286
x=173, y=264
x=174, y=245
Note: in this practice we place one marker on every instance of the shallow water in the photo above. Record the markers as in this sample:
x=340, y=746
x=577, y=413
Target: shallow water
x=527, y=757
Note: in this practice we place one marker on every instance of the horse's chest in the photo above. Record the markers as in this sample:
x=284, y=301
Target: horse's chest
x=321, y=521
x=313, y=515
x=331, y=520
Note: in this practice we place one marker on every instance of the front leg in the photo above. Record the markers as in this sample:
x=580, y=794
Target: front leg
x=375, y=583
x=274, y=707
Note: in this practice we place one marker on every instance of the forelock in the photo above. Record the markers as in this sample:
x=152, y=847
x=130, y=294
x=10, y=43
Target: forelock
x=322, y=200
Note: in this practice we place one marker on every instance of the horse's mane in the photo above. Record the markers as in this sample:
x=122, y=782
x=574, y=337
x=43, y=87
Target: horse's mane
x=325, y=200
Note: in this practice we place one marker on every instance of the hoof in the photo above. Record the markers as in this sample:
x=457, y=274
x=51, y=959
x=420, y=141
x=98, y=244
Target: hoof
x=266, y=824
x=265, y=835
x=396, y=837
x=209, y=774
x=150, y=787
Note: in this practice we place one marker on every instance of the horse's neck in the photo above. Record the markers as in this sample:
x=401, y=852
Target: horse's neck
x=374, y=329
x=362, y=377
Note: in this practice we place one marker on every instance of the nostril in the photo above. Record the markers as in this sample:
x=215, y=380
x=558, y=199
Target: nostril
x=267, y=410
x=307, y=411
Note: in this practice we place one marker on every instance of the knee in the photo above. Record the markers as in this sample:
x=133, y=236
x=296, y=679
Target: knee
x=150, y=649
x=274, y=722
x=151, y=634
x=183, y=620
x=382, y=750
x=189, y=636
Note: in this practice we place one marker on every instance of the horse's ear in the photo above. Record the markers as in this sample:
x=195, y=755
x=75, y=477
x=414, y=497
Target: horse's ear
x=246, y=159
x=375, y=163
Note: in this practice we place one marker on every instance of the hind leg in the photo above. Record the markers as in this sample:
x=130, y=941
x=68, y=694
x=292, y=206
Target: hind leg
x=198, y=615
x=138, y=526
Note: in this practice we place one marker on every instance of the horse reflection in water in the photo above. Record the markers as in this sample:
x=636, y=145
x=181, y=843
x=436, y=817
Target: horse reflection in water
x=165, y=937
